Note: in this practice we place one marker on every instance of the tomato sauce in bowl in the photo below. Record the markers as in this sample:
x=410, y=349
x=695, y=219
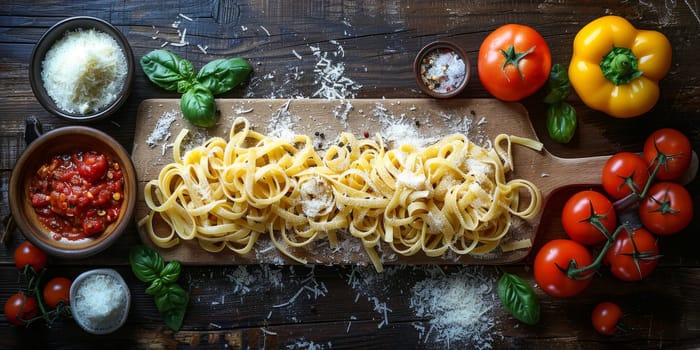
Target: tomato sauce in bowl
x=77, y=195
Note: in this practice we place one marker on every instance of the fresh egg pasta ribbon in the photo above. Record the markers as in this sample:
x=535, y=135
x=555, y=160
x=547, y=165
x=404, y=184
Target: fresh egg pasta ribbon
x=451, y=196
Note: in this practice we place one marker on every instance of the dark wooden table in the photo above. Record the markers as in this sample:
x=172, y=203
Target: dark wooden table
x=379, y=40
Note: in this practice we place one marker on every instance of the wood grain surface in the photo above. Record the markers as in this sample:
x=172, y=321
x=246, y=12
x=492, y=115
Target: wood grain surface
x=375, y=42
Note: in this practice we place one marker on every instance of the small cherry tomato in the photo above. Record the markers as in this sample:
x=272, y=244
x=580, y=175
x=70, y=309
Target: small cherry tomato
x=666, y=209
x=514, y=62
x=633, y=256
x=624, y=173
x=675, y=151
x=551, y=264
x=583, y=211
x=19, y=308
x=28, y=254
x=605, y=318
x=57, y=290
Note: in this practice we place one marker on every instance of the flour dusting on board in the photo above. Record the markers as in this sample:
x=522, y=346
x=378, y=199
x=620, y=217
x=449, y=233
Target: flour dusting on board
x=161, y=132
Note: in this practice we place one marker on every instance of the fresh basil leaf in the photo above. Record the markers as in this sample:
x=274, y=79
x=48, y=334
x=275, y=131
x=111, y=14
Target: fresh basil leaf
x=559, y=85
x=166, y=69
x=172, y=305
x=156, y=288
x=146, y=263
x=171, y=272
x=198, y=106
x=561, y=122
x=184, y=85
x=518, y=298
x=222, y=75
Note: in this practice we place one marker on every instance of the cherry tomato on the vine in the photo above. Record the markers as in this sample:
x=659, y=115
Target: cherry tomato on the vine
x=583, y=211
x=676, y=150
x=624, y=172
x=666, y=209
x=57, y=290
x=605, y=318
x=551, y=264
x=514, y=62
x=19, y=308
x=629, y=264
x=28, y=254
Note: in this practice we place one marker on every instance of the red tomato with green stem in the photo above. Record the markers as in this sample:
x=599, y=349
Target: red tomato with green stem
x=27, y=254
x=666, y=209
x=633, y=255
x=514, y=62
x=624, y=173
x=57, y=290
x=670, y=151
x=587, y=215
x=551, y=265
x=20, y=308
x=606, y=318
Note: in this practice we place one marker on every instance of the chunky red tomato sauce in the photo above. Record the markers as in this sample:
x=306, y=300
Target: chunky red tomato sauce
x=77, y=195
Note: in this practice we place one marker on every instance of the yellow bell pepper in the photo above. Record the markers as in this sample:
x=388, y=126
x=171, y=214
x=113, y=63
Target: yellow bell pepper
x=615, y=68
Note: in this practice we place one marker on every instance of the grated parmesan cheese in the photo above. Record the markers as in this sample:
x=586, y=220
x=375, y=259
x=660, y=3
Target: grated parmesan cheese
x=316, y=197
x=99, y=302
x=459, y=308
x=84, y=71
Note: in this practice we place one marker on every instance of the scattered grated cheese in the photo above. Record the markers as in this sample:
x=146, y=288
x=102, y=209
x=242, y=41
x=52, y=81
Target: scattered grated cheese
x=330, y=76
x=265, y=331
x=282, y=123
x=161, y=131
x=185, y=17
x=296, y=54
x=459, y=308
x=265, y=30
x=398, y=131
x=303, y=344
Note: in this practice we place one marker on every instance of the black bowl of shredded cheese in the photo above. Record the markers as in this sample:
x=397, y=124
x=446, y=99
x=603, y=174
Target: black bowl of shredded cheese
x=81, y=69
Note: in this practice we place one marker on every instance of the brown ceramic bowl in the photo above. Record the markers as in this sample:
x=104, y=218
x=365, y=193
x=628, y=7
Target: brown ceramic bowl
x=442, y=69
x=64, y=141
x=47, y=41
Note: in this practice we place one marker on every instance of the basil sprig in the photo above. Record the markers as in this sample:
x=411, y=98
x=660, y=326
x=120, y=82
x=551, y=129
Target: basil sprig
x=518, y=298
x=173, y=73
x=561, y=116
x=170, y=299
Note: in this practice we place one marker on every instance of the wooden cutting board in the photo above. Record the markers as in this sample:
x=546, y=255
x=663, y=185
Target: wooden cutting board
x=480, y=119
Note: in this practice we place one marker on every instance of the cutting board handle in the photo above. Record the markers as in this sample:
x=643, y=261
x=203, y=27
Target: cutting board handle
x=560, y=172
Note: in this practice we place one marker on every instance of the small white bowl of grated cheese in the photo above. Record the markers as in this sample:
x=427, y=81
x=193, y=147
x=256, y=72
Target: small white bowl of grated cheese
x=100, y=300
x=82, y=69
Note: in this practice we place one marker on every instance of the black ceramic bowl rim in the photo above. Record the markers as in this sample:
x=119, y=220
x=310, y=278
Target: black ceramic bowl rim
x=57, y=32
x=37, y=153
x=437, y=45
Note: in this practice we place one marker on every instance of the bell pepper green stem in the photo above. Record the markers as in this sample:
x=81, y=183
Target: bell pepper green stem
x=620, y=66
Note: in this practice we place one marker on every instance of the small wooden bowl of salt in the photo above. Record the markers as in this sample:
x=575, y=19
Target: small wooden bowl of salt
x=442, y=69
